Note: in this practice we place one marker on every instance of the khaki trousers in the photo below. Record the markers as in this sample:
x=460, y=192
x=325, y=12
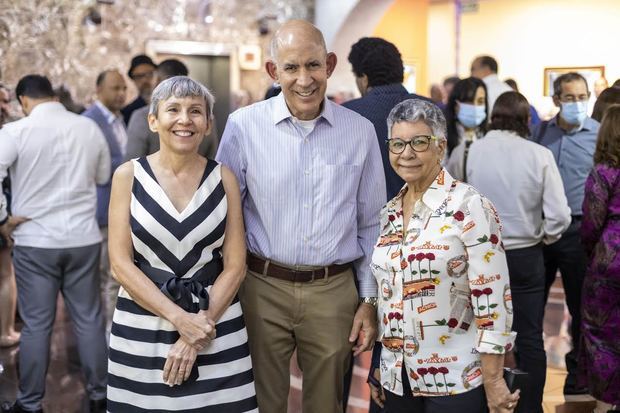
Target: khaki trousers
x=313, y=317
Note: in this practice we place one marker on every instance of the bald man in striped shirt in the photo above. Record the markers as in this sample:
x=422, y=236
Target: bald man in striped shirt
x=312, y=186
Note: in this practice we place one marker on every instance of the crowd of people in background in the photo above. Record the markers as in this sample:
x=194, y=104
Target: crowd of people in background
x=428, y=230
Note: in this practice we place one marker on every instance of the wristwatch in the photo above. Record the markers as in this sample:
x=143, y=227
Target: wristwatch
x=369, y=300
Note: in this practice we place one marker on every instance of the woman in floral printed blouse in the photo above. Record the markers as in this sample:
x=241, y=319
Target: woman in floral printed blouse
x=444, y=292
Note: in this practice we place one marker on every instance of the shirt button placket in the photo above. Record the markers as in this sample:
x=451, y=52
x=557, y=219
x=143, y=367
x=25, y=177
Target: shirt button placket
x=306, y=194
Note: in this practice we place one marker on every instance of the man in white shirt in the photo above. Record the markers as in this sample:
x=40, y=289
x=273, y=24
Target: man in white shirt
x=55, y=159
x=106, y=112
x=485, y=69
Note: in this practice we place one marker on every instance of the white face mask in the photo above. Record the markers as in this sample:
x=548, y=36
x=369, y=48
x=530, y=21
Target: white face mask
x=470, y=115
x=574, y=113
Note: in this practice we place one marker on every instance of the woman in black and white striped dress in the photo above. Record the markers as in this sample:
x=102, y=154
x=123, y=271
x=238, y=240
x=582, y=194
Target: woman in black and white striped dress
x=178, y=340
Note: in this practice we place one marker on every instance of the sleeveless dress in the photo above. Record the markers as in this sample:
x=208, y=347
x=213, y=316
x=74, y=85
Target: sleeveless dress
x=180, y=253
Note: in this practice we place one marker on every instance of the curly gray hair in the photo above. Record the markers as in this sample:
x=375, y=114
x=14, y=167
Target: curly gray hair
x=180, y=87
x=414, y=110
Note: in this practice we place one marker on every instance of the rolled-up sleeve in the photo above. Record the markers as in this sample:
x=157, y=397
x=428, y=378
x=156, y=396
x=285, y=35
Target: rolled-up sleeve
x=488, y=276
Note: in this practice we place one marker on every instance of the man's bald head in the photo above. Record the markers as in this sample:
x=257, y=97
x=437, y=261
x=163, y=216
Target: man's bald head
x=294, y=32
x=301, y=65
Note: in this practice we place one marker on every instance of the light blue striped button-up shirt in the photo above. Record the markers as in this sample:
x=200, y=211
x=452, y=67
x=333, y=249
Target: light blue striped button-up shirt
x=307, y=200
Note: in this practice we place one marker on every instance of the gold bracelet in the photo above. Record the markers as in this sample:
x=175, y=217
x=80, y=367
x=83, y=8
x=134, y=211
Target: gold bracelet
x=369, y=300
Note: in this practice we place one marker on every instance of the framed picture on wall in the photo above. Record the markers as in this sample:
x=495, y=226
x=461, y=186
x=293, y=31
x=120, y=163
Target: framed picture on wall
x=591, y=73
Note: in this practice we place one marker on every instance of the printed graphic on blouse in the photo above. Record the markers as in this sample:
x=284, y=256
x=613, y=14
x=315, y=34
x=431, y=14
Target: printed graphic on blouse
x=444, y=290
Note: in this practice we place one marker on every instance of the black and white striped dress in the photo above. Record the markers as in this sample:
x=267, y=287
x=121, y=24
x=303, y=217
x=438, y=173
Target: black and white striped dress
x=180, y=252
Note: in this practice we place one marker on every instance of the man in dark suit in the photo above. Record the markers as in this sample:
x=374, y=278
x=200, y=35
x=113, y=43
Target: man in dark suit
x=378, y=70
x=142, y=72
x=111, y=93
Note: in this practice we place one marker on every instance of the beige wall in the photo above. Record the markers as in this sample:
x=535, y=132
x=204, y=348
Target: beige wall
x=358, y=23
x=405, y=24
x=525, y=36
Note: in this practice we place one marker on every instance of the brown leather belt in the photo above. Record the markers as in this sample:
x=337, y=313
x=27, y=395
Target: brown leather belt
x=257, y=264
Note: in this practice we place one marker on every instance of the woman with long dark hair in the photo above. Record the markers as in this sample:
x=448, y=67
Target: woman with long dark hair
x=466, y=120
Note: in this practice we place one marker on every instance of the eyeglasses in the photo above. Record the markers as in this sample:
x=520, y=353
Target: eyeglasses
x=418, y=143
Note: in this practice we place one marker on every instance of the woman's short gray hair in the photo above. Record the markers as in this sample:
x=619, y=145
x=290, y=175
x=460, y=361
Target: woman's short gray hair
x=180, y=87
x=415, y=110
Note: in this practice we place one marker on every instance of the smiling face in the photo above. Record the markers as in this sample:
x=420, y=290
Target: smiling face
x=416, y=168
x=181, y=123
x=302, y=67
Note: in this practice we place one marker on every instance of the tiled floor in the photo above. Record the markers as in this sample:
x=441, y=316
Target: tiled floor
x=65, y=391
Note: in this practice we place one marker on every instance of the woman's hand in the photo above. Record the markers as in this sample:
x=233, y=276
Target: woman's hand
x=499, y=398
x=195, y=329
x=181, y=358
x=377, y=393
x=6, y=230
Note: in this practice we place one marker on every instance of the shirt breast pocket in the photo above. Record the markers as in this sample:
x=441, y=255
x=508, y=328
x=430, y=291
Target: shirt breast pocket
x=339, y=184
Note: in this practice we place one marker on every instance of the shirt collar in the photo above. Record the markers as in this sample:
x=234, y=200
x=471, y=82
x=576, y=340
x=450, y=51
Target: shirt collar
x=434, y=196
x=44, y=107
x=281, y=111
x=491, y=78
x=109, y=116
x=589, y=124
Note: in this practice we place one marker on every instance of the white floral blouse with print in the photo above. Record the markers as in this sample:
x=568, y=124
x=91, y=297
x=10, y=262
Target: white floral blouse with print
x=444, y=291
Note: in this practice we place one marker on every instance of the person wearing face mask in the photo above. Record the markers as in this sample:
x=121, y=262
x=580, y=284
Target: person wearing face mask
x=466, y=117
x=571, y=137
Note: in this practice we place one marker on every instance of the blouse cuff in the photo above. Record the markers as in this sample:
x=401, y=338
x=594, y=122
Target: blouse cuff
x=494, y=342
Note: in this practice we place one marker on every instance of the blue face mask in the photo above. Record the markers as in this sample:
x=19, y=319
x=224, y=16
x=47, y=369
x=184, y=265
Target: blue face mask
x=574, y=113
x=470, y=115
